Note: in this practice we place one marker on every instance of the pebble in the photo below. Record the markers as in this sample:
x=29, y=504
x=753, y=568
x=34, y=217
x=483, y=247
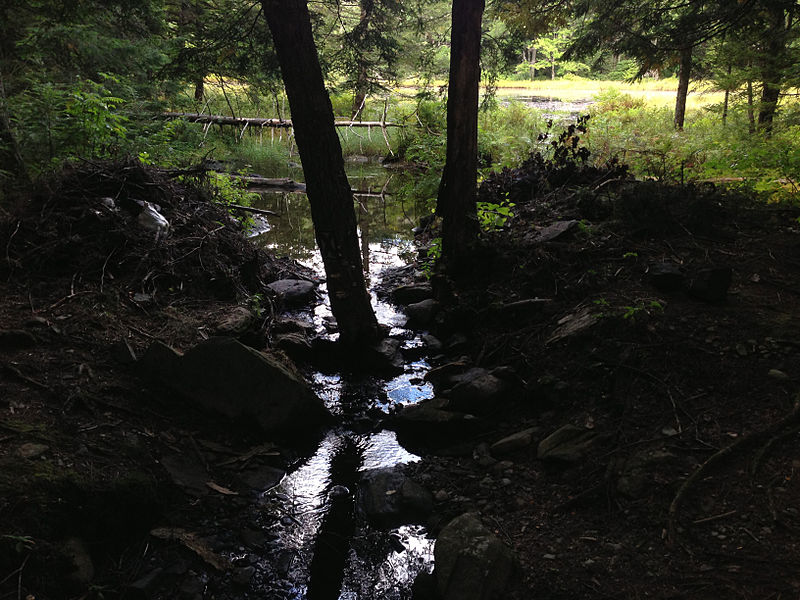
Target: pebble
x=441, y=496
x=549, y=556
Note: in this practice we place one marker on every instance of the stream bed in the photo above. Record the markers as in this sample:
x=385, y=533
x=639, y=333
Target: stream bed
x=327, y=548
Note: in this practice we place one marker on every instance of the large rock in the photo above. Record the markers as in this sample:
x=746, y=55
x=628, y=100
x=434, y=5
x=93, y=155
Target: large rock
x=293, y=292
x=471, y=563
x=227, y=377
x=420, y=314
x=390, y=499
x=429, y=424
x=409, y=294
x=478, y=391
x=513, y=443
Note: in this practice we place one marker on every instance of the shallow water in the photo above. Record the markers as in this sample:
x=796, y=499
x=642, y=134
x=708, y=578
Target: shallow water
x=331, y=551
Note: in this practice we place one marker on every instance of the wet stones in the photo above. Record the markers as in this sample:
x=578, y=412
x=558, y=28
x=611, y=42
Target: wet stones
x=293, y=292
x=430, y=424
x=388, y=499
x=411, y=294
x=226, y=377
x=471, y=562
x=421, y=314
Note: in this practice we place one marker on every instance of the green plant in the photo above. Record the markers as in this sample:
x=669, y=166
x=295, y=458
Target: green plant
x=493, y=216
x=433, y=255
x=230, y=191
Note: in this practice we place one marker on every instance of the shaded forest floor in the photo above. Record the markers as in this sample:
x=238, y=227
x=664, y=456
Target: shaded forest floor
x=617, y=320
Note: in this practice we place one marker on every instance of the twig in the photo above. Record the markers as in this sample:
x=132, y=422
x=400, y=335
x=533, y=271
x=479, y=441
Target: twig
x=18, y=374
x=715, y=517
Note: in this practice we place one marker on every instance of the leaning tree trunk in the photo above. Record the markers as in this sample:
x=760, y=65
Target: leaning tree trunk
x=326, y=182
x=456, y=203
x=684, y=76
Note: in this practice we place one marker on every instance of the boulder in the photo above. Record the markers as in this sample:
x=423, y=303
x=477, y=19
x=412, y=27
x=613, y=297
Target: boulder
x=567, y=444
x=389, y=499
x=410, y=294
x=293, y=292
x=236, y=322
x=420, y=314
x=478, y=391
x=471, y=563
x=224, y=376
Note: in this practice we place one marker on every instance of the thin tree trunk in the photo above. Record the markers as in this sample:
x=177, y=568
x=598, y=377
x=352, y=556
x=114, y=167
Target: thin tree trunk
x=727, y=99
x=199, y=89
x=10, y=158
x=533, y=63
x=457, y=192
x=327, y=187
x=684, y=76
x=751, y=114
x=552, y=67
x=775, y=47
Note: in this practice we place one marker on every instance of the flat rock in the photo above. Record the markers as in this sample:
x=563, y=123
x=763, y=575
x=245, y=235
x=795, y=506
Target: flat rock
x=410, y=294
x=472, y=563
x=567, y=444
x=389, y=499
x=513, y=443
x=32, y=450
x=224, y=376
x=293, y=292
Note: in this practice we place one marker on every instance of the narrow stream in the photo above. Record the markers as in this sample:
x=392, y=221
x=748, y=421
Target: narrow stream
x=329, y=552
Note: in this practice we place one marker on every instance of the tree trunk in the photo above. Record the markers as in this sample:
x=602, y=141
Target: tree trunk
x=552, y=67
x=533, y=63
x=199, y=88
x=775, y=50
x=683, y=87
x=726, y=103
x=327, y=187
x=751, y=114
x=457, y=190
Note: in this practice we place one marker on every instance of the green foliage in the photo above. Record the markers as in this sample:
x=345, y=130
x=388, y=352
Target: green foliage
x=494, y=216
x=228, y=191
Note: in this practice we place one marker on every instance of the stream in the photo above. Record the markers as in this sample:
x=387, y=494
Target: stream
x=328, y=550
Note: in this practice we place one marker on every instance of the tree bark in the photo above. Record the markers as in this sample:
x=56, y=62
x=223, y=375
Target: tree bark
x=457, y=191
x=327, y=187
x=684, y=76
x=10, y=158
x=771, y=76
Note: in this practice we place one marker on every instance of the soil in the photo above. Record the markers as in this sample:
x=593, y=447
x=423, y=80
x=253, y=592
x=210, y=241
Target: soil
x=683, y=380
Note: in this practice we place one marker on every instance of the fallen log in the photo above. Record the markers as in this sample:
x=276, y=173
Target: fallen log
x=263, y=122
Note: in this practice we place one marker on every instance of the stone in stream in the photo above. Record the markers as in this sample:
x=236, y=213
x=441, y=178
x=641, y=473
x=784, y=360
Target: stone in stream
x=224, y=376
x=472, y=563
x=420, y=314
x=410, y=294
x=390, y=499
x=477, y=391
x=293, y=292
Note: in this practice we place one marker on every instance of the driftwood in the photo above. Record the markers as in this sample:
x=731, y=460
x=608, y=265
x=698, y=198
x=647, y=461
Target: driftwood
x=284, y=184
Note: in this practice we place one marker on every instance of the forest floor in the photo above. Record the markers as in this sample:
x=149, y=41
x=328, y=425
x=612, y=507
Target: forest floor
x=661, y=323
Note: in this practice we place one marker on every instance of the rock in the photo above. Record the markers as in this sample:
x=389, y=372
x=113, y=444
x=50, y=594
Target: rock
x=711, y=285
x=16, y=339
x=778, y=374
x=390, y=499
x=295, y=345
x=385, y=356
x=471, y=563
x=236, y=322
x=573, y=324
x=513, y=443
x=666, y=277
x=293, y=292
x=568, y=444
x=432, y=343
x=477, y=391
x=290, y=325
x=187, y=474
x=551, y=232
x=31, y=450
x=224, y=376
x=411, y=294
x=428, y=424
x=74, y=549
x=145, y=585
x=420, y=314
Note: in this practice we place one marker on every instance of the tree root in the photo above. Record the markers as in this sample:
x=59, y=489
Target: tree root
x=770, y=432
